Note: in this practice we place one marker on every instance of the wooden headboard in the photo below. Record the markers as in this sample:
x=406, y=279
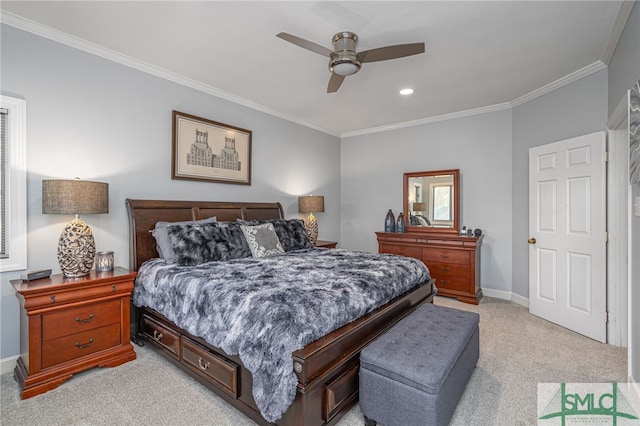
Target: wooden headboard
x=143, y=215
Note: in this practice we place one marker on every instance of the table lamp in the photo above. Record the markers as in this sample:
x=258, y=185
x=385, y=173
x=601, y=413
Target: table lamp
x=76, y=247
x=419, y=207
x=310, y=204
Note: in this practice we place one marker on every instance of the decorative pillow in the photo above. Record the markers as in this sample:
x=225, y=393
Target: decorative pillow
x=263, y=240
x=163, y=245
x=194, y=244
x=234, y=242
x=291, y=232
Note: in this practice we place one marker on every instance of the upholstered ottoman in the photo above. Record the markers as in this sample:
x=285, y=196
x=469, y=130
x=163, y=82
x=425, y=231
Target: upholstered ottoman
x=415, y=373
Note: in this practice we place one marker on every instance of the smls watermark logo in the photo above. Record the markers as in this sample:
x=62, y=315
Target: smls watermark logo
x=587, y=404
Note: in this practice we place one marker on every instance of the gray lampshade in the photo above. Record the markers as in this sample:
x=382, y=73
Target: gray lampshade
x=74, y=197
x=311, y=204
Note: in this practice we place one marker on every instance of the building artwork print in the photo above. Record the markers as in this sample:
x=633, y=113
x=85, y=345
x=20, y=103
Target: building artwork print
x=210, y=151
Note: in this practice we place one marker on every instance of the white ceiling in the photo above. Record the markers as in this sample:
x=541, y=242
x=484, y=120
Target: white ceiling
x=479, y=54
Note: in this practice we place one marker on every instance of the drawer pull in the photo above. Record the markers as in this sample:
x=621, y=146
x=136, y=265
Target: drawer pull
x=114, y=288
x=444, y=268
x=53, y=298
x=444, y=256
x=157, y=336
x=86, y=320
x=445, y=282
x=84, y=345
x=206, y=364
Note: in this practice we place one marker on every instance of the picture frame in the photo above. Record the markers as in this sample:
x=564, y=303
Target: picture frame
x=206, y=150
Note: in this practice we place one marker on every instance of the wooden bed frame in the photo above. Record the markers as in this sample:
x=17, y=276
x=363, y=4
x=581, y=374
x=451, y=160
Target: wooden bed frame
x=327, y=369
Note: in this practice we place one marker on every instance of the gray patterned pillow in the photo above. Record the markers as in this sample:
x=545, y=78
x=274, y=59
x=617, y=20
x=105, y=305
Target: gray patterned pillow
x=262, y=240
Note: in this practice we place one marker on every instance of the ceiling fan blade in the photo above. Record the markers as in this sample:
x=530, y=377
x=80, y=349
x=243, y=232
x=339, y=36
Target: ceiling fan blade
x=305, y=44
x=334, y=83
x=391, y=52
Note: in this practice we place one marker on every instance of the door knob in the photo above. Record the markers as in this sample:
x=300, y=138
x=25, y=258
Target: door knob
x=531, y=240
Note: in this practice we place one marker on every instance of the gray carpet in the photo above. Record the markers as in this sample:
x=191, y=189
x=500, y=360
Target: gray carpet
x=517, y=351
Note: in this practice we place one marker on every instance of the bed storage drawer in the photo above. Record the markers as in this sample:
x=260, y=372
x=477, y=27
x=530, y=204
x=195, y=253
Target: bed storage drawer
x=163, y=336
x=341, y=391
x=223, y=372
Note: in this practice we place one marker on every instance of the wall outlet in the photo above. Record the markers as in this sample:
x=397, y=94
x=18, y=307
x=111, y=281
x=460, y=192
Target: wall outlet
x=636, y=207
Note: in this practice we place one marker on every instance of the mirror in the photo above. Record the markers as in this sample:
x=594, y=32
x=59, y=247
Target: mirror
x=432, y=201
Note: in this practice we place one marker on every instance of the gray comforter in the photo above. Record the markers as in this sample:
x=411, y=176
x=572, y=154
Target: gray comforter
x=265, y=309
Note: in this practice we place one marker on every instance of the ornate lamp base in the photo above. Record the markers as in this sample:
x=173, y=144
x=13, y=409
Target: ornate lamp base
x=76, y=249
x=311, y=226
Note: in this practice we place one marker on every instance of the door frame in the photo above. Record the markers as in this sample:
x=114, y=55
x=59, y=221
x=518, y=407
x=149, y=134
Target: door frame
x=617, y=225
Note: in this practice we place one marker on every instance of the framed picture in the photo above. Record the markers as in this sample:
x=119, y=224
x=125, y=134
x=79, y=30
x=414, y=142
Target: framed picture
x=209, y=151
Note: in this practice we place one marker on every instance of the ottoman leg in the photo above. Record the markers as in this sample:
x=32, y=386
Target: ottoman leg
x=369, y=422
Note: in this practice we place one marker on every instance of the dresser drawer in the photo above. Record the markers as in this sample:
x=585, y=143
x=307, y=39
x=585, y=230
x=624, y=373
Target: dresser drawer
x=161, y=335
x=83, y=318
x=408, y=251
x=452, y=283
x=199, y=359
x=77, y=345
x=445, y=255
x=448, y=270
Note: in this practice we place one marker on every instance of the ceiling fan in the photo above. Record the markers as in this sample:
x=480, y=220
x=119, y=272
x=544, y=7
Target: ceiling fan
x=344, y=60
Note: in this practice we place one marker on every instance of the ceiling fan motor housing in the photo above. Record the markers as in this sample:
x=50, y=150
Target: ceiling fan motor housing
x=344, y=61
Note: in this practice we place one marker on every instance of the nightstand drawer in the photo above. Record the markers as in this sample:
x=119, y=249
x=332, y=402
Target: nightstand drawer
x=444, y=255
x=161, y=335
x=223, y=372
x=78, y=345
x=82, y=318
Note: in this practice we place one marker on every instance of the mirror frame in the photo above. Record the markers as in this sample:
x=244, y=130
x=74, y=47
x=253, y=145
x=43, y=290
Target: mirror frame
x=456, y=201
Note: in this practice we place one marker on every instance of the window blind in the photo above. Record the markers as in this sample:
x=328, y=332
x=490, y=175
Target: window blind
x=4, y=172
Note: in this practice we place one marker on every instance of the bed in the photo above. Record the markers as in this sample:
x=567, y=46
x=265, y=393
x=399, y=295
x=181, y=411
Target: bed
x=326, y=369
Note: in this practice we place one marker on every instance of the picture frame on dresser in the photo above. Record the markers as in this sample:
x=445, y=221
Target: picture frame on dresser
x=206, y=150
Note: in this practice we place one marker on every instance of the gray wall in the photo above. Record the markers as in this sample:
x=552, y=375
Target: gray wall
x=480, y=146
x=577, y=109
x=98, y=120
x=624, y=68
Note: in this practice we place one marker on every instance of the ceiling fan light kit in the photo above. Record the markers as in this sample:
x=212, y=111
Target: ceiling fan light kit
x=344, y=60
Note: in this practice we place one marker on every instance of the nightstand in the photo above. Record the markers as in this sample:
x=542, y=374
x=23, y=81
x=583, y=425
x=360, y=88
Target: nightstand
x=326, y=244
x=68, y=325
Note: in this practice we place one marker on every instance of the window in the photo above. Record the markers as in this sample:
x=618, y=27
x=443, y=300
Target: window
x=441, y=203
x=13, y=184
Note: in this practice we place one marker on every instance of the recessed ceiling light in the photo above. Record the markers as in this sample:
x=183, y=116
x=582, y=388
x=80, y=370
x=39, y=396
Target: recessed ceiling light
x=406, y=91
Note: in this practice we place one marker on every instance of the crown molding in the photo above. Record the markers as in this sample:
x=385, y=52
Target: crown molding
x=616, y=32
x=428, y=120
x=561, y=82
x=111, y=55
x=95, y=49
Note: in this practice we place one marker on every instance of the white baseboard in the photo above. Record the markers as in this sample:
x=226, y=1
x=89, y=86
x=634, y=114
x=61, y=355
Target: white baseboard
x=506, y=295
x=8, y=364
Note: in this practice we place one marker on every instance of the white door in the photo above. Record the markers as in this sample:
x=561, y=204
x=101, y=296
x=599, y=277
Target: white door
x=567, y=270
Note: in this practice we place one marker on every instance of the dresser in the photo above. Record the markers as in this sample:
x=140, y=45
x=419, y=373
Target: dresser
x=68, y=325
x=454, y=261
